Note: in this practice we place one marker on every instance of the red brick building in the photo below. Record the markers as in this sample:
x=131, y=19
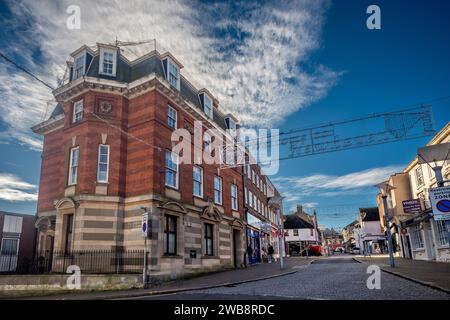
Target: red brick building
x=107, y=154
x=261, y=214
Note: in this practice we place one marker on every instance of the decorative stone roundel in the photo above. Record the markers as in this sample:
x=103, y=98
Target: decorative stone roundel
x=105, y=107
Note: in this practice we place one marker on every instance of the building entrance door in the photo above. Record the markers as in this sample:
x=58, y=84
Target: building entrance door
x=236, y=242
x=408, y=247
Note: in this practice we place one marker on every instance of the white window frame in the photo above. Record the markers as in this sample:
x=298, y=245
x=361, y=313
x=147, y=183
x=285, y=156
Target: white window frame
x=442, y=234
x=177, y=171
x=219, y=191
x=250, y=199
x=172, y=115
x=199, y=182
x=101, y=61
x=209, y=113
x=417, y=237
x=416, y=173
x=12, y=224
x=10, y=238
x=81, y=57
x=73, y=177
x=234, y=197
x=79, y=112
x=107, y=164
x=207, y=141
x=231, y=125
x=172, y=65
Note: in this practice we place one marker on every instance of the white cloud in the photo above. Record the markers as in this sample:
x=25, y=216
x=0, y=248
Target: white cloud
x=321, y=185
x=310, y=204
x=12, y=188
x=254, y=58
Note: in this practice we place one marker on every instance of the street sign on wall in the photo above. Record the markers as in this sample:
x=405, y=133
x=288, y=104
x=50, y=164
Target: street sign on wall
x=412, y=206
x=440, y=203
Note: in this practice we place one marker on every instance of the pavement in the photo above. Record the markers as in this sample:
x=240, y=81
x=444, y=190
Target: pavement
x=429, y=273
x=330, y=278
x=218, y=279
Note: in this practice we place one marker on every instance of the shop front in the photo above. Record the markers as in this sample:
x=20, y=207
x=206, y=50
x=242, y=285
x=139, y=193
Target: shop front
x=254, y=234
x=254, y=245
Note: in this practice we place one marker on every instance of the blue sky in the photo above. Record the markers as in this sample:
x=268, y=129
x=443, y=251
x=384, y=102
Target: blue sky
x=286, y=66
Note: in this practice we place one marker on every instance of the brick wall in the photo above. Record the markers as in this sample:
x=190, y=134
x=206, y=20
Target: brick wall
x=136, y=168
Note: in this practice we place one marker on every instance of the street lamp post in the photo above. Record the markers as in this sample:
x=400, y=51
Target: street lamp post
x=280, y=241
x=385, y=188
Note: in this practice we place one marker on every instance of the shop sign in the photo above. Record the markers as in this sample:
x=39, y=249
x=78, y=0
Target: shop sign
x=253, y=221
x=412, y=206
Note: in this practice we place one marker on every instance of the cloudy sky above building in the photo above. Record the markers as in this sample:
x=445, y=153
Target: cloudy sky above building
x=278, y=64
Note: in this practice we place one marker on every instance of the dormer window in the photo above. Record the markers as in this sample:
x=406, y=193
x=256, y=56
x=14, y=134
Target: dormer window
x=108, y=58
x=108, y=63
x=207, y=106
x=231, y=124
x=79, y=66
x=173, y=74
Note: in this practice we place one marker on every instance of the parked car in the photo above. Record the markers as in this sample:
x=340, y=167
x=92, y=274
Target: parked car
x=355, y=250
x=312, y=251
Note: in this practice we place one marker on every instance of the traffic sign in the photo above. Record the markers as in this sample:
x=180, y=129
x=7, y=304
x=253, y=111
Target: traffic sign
x=440, y=202
x=144, y=225
x=443, y=205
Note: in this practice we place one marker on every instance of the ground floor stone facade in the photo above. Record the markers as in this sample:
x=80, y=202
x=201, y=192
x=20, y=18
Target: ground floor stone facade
x=114, y=223
x=426, y=239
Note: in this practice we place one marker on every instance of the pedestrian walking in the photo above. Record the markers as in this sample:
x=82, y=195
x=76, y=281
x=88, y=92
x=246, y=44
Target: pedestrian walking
x=270, y=251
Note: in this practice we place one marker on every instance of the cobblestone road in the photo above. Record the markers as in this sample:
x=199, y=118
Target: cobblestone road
x=327, y=278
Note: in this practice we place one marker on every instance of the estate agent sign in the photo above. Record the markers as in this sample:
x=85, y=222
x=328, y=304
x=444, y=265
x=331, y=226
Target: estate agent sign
x=412, y=206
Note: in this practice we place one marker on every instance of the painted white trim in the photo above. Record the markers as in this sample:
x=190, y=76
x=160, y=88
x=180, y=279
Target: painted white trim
x=107, y=163
x=74, y=113
x=176, y=116
x=221, y=190
x=69, y=182
x=233, y=186
x=11, y=238
x=177, y=177
x=201, y=182
x=101, y=59
x=82, y=54
x=170, y=61
x=210, y=115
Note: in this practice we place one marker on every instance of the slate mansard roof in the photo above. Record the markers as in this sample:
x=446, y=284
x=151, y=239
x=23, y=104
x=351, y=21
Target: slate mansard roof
x=127, y=72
